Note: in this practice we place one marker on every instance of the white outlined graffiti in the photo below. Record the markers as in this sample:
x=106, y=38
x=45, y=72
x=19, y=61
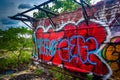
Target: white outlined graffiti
x=108, y=14
x=46, y=43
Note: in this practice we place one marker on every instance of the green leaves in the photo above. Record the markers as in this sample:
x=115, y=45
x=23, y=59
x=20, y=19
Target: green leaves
x=12, y=39
x=15, y=40
x=59, y=7
x=67, y=5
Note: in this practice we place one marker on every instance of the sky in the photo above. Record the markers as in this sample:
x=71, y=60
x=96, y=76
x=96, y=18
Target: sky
x=12, y=7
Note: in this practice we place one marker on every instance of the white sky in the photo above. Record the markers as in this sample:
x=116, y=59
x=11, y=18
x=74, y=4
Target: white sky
x=94, y=1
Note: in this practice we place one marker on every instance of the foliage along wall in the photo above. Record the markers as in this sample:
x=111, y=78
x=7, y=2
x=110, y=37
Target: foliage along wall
x=80, y=48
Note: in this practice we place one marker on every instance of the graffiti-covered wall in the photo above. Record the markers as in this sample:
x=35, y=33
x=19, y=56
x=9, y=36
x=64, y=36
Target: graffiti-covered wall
x=110, y=14
x=93, y=48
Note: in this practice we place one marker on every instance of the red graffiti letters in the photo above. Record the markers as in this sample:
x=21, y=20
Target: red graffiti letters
x=74, y=46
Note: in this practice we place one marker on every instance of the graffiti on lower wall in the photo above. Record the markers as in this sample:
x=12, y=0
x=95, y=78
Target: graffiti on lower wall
x=74, y=46
x=111, y=53
x=80, y=48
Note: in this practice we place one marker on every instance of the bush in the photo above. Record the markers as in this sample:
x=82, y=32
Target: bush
x=59, y=75
x=8, y=62
x=39, y=71
x=25, y=57
x=11, y=60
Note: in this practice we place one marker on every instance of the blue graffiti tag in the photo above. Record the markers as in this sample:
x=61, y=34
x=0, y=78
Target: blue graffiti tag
x=46, y=46
x=70, y=46
x=34, y=50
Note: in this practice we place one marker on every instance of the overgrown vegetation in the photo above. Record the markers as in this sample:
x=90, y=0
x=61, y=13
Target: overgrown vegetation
x=90, y=77
x=60, y=74
x=39, y=71
x=15, y=47
x=11, y=62
x=57, y=75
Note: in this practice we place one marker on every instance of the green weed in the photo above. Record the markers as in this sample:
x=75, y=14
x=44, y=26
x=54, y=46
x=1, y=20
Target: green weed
x=11, y=61
x=39, y=71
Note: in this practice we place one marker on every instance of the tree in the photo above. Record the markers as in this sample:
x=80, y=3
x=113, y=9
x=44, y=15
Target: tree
x=58, y=7
x=15, y=40
x=65, y=6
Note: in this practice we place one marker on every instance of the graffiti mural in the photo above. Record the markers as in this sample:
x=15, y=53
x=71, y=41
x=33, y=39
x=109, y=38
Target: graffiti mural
x=74, y=46
x=115, y=25
x=34, y=51
x=80, y=48
x=111, y=53
x=110, y=14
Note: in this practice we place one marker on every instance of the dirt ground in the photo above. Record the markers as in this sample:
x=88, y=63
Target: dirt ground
x=29, y=74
